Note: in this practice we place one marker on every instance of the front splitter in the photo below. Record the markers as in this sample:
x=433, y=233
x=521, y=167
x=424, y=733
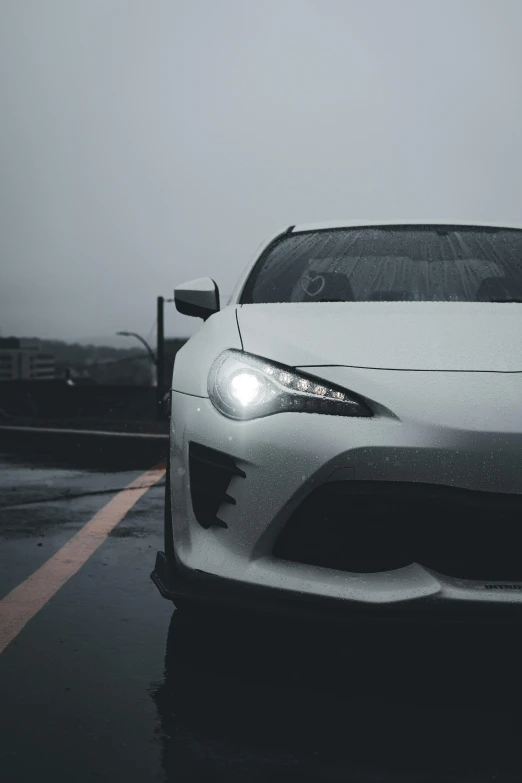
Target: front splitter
x=175, y=581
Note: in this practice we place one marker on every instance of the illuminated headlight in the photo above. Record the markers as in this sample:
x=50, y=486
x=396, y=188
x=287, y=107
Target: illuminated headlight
x=242, y=386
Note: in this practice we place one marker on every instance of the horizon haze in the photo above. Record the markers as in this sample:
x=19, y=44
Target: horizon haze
x=147, y=142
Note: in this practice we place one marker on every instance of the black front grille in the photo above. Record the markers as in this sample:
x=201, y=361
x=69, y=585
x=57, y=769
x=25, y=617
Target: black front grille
x=370, y=526
x=210, y=475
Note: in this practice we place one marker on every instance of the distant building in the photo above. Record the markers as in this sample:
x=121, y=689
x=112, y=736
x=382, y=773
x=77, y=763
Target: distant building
x=22, y=359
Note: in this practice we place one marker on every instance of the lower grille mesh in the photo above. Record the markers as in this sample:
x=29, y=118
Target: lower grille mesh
x=367, y=527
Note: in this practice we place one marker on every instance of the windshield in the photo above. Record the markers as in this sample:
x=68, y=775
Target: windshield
x=397, y=263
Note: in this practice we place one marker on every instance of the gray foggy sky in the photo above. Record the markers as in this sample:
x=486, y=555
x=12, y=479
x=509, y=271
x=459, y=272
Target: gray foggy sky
x=145, y=142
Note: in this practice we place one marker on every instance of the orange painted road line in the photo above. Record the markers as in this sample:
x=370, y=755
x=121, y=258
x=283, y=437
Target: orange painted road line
x=65, y=431
x=22, y=603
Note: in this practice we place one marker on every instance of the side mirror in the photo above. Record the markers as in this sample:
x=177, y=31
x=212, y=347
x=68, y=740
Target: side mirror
x=199, y=298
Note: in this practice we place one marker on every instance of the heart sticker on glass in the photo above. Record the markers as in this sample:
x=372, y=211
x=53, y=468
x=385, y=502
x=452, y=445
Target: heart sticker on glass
x=312, y=284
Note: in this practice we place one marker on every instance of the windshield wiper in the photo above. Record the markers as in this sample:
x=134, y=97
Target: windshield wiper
x=519, y=301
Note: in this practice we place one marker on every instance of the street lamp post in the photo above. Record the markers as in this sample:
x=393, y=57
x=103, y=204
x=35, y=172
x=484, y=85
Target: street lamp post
x=160, y=358
x=157, y=358
x=142, y=341
x=149, y=350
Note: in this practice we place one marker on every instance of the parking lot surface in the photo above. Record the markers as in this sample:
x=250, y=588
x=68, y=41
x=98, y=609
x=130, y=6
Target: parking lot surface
x=101, y=679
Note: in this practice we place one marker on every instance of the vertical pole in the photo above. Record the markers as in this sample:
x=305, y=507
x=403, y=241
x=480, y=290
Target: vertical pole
x=160, y=360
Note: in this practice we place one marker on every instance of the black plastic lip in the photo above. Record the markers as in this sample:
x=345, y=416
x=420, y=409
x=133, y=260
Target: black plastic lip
x=193, y=310
x=175, y=581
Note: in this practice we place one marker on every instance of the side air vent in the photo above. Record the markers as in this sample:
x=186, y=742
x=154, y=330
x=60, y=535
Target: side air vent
x=210, y=475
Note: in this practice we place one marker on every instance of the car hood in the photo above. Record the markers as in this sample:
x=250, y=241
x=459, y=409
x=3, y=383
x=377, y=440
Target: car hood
x=462, y=336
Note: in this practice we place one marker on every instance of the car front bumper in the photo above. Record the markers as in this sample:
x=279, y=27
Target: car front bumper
x=285, y=457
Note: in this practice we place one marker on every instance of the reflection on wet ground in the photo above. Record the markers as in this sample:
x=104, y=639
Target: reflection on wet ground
x=253, y=701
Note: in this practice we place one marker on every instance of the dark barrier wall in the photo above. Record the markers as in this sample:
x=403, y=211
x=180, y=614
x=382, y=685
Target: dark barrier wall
x=55, y=400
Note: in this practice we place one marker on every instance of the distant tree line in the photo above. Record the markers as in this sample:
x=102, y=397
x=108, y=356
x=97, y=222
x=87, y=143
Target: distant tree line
x=107, y=364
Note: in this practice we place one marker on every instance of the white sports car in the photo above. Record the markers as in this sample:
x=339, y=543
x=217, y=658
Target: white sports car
x=346, y=434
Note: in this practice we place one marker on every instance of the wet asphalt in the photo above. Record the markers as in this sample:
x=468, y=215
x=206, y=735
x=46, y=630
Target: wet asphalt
x=109, y=682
